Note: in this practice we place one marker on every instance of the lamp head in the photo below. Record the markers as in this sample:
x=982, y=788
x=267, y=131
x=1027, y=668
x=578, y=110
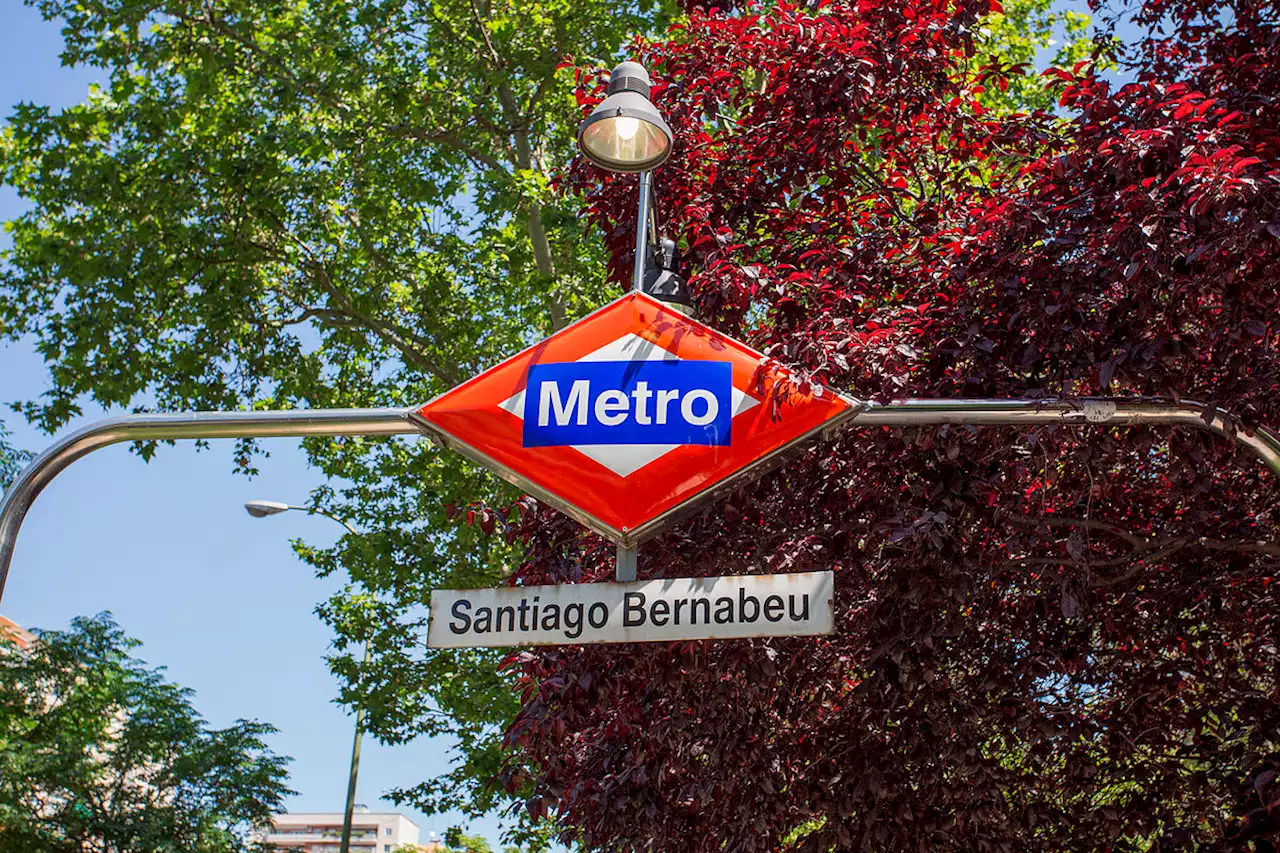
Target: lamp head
x=261, y=509
x=626, y=133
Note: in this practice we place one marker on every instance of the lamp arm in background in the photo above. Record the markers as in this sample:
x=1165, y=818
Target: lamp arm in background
x=262, y=509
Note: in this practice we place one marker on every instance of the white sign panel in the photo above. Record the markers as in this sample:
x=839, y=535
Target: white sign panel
x=638, y=612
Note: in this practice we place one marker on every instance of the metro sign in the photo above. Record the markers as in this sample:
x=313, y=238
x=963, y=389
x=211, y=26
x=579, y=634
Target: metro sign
x=630, y=417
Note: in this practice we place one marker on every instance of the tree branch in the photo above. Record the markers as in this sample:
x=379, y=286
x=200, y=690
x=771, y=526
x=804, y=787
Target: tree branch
x=449, y=139
x=1083, y=523
x=1143, y=549
x=325, y=315
x=220, y=26
x=484, y=34
x=405, y=342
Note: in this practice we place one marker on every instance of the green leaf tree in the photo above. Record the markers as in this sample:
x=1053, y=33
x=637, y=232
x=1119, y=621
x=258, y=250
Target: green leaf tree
x=320, y=204
x=98, y=751
x=1023, y=33
x=459, y=842
x=11, y=459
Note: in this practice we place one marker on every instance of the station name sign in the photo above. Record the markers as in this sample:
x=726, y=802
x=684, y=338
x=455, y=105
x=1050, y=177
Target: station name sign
x=642, y=611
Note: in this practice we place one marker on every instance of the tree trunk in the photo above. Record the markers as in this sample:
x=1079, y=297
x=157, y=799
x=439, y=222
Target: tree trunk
x=538, y=237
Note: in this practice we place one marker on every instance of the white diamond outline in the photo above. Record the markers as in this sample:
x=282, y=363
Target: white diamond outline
x=626, y=459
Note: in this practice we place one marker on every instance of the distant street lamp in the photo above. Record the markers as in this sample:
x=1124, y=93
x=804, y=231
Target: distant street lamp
x=262, y=509
x=626, y=133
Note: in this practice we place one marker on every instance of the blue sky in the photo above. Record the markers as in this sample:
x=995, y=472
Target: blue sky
x=215, y=596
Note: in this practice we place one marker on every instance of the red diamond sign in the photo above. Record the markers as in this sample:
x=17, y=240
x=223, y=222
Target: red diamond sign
x=630, y=417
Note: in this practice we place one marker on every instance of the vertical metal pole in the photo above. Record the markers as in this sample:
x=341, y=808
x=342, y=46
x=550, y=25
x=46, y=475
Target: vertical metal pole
x=642, y=230
x=626, y=566
x=344, y=845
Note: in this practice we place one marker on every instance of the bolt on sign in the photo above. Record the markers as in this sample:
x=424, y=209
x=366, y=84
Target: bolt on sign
x=642, y=611
x=631, y=416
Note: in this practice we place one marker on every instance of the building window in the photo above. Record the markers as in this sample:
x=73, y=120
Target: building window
x=386, y=848
x=386, y=830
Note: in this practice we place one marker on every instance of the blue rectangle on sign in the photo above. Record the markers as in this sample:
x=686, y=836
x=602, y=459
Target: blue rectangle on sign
x=628, y=402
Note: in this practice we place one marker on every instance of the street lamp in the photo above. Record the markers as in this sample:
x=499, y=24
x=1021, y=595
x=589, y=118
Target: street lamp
x=626, y=133
x=262, y=509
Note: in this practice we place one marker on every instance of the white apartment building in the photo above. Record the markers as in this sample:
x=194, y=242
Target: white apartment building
x=315, y=832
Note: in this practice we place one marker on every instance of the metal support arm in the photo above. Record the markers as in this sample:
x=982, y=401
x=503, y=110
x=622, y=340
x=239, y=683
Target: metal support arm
x=912, y=412
x=67, y=449
x=1098, y=411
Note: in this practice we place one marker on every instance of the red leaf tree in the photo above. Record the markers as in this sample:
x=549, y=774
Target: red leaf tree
x=1047, y=639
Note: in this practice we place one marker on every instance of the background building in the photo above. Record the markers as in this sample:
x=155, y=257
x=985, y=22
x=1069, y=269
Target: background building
x=315, y=832
x=12, y=631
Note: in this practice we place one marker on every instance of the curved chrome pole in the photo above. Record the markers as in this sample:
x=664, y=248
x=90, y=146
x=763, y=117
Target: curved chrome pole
x=302, y=422
x=911, y=412
x=1264, y=443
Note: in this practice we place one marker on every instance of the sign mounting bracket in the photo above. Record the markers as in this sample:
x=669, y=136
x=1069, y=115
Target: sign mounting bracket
x=626, y=566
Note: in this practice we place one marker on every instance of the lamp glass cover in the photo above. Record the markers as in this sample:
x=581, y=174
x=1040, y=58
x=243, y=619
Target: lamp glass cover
x=625, y=143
